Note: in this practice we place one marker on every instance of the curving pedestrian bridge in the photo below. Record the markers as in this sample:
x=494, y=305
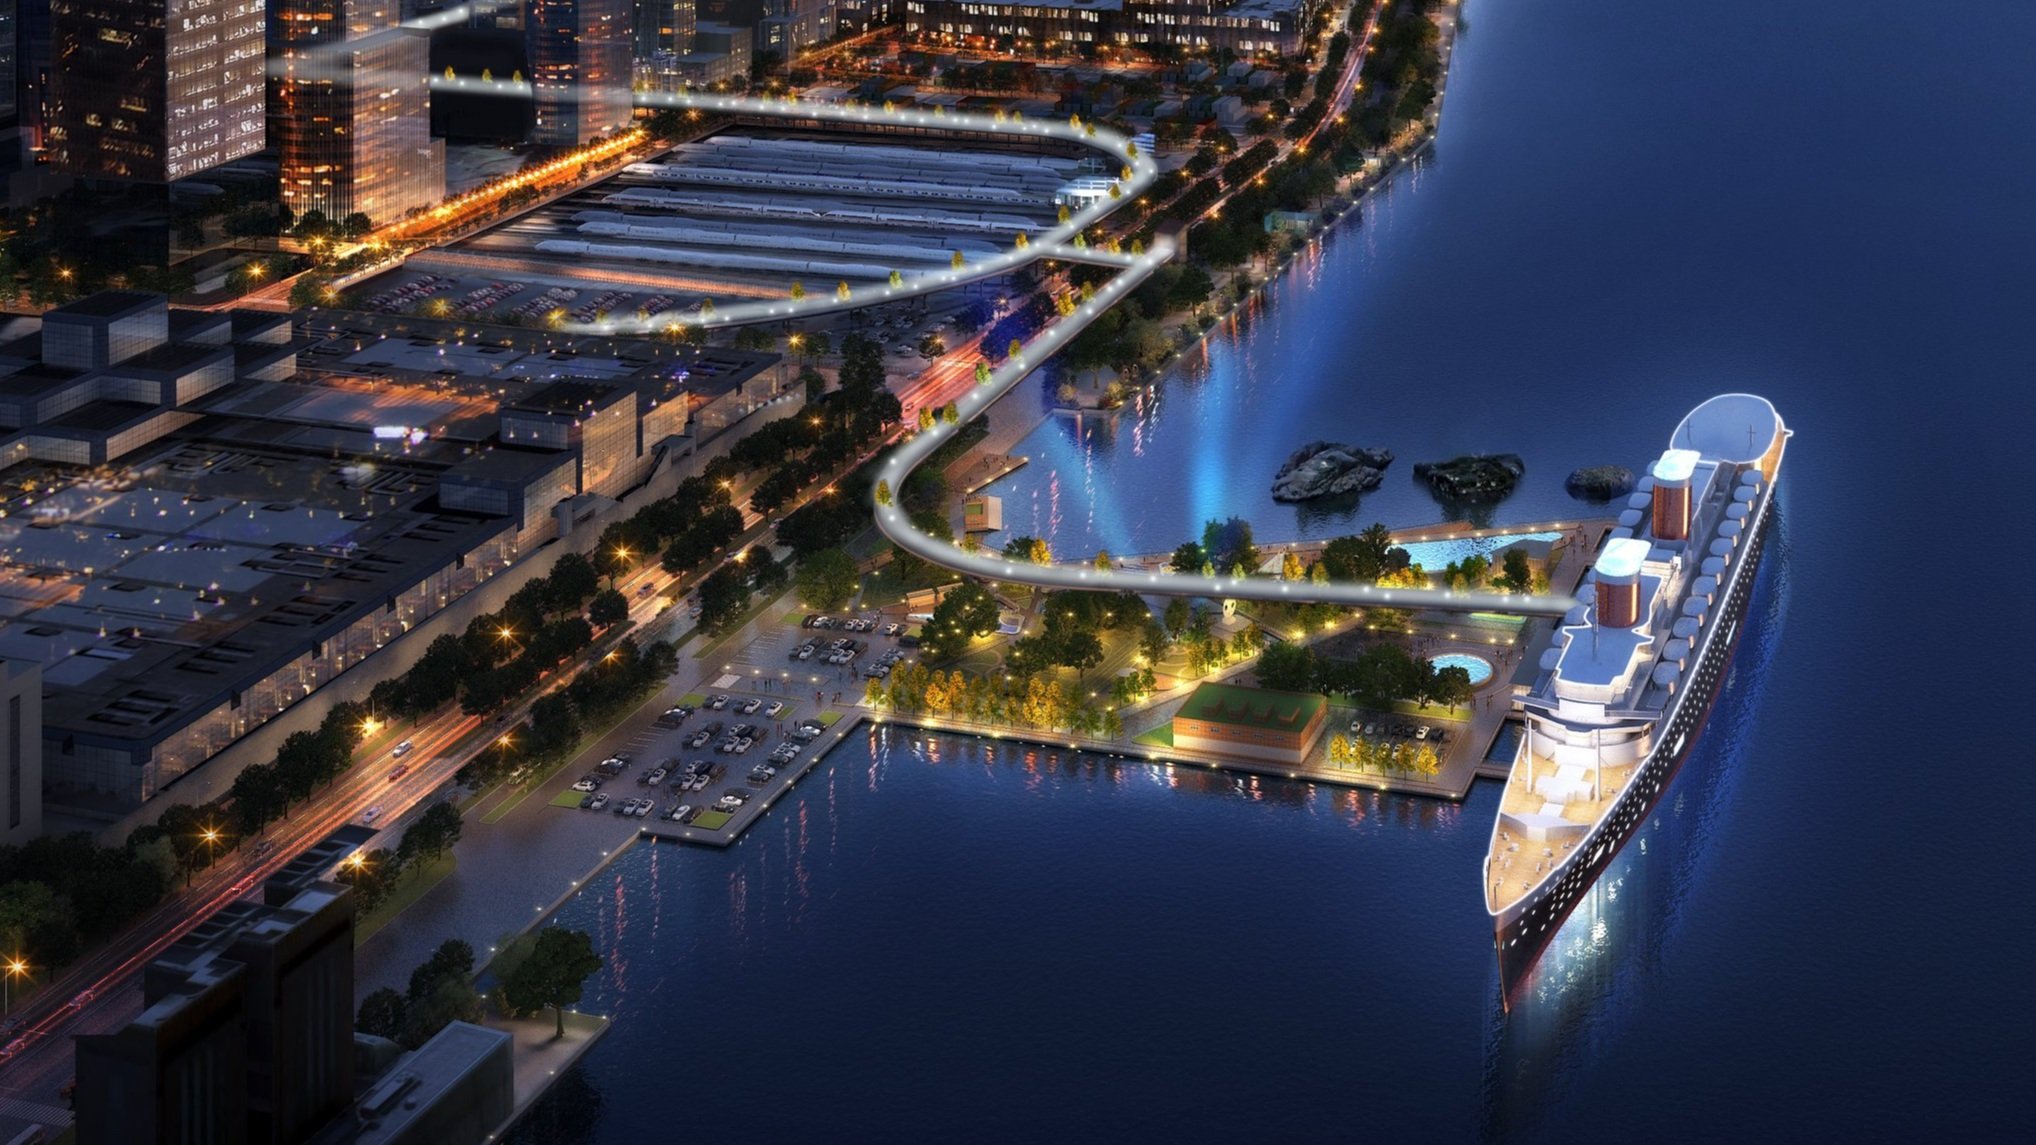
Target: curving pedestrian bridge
x=1057, y=243
x=907, y=456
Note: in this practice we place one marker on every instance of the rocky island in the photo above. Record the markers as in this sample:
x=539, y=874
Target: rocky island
x=1481, y=477
x=1327, y=468
x=1599, y=482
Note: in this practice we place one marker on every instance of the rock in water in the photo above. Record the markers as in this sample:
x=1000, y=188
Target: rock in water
x=1481, y=477
x=1600, y=483
x=1327, y=468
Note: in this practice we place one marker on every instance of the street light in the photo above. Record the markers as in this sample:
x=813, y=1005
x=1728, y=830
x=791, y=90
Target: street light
x=16, y=968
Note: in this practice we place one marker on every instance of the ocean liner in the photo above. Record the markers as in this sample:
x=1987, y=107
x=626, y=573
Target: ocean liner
x=1623, y=689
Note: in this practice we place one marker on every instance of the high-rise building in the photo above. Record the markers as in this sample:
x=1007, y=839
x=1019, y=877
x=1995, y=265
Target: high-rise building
x=246, y=1032
x=10, y=64
x=148, y=91
x=661, y=26
x=20, y=751
x=349, y=112
x=580, y=53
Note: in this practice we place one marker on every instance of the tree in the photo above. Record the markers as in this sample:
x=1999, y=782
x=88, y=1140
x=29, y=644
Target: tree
x=452, y=959
x=964, y=614
x=1287, y=667
x=1291, y=567
x=572, y=580
x=258, y=797
x=1102, y=560
x=433, y=834
x=35, y=918
x=555, y=973
x=1360, y=559
x=1517, y=576
x=1188, y=558
x=381, y=1014
x=827, y=579
x=1229, y=542
x=723, y=596
x=883, y=492
x=371, y=876
x=608, y=607
x=1029, y=549
x=1080, y=651
x=1449, y=686
x=452, y=999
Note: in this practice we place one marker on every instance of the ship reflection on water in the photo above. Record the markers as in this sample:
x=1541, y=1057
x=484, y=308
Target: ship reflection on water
x=1616, y=944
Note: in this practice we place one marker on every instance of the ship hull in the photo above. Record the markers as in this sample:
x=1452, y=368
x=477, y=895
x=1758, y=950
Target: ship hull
x=1522, y=932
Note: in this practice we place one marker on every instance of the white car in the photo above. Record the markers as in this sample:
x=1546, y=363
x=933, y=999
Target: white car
x=402, y=749
x=372, y=814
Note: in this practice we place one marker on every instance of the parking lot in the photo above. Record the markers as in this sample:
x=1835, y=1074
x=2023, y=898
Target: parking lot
x=709, y=764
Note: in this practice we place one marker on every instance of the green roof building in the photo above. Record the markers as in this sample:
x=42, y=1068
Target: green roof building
x=1251, y=723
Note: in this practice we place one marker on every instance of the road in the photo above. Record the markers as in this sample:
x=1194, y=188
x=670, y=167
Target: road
x=95, y=994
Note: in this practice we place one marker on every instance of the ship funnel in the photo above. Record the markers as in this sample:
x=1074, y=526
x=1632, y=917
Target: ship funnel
x=1618, y=579
x=1672, y=476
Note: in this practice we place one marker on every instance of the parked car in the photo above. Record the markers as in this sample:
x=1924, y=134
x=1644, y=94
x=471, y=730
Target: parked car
x=587, y=783
x=750, y=706
x=599, y=801
x=775, y=709
x=653, y=777
x=700, y=738
x=717, y=702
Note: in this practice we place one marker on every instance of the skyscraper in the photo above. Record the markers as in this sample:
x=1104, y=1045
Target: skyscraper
x=154, y=90
x=580, y=54
x=661, y=25
x=349, y=112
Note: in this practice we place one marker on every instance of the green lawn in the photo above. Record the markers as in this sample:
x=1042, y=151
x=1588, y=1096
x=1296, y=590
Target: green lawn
x=417, y=880
x=692, y=700
x=568, y=798
x=710, y=820
x=828, y=719
x=1161, y=736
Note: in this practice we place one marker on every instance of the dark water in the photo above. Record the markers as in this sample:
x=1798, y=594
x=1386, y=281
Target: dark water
x=1827, y=934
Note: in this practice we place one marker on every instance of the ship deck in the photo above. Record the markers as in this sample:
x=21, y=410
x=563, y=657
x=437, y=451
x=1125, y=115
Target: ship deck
x=1546, y=799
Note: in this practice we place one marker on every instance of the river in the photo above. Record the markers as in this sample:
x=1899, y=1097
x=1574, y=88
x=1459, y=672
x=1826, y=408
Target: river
x=1628, y=207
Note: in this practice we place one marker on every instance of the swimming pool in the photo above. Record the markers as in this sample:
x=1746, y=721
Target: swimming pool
x=1434, y=555
x=1480, y=669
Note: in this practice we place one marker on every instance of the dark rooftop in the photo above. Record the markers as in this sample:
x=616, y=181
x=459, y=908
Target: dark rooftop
x=567, y=397
x=102, y=415
x=107, y=304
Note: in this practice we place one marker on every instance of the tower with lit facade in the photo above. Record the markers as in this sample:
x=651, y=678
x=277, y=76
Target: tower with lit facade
x=154, y=90
x=349, y=112
x=580, y=53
